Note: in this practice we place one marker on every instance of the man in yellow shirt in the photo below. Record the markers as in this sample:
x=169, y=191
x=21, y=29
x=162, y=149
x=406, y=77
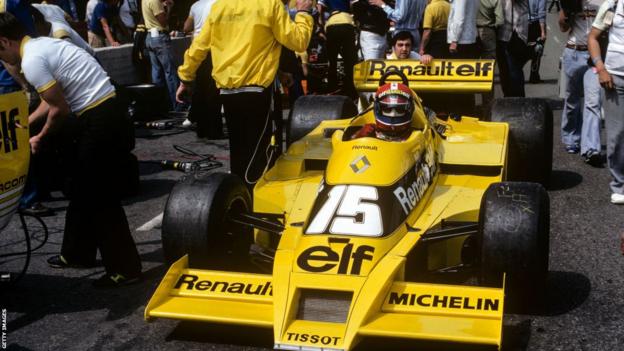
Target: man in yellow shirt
x=158, y=44
x=244, y=39
x=435, y=22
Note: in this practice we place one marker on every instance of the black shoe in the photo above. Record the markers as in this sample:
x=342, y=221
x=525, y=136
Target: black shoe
x=593, y=159
x=572, y=149
x=59, y=261
x=115, y=280
x=37, y=210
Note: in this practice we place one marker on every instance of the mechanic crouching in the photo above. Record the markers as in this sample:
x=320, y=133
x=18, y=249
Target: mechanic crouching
x=69, y=80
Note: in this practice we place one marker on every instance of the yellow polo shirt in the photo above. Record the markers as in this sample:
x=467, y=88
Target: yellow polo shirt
x=151, y=9
x=436, y=15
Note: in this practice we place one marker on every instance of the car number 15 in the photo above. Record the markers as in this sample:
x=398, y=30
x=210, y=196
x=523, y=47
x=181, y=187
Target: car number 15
x=349, y=210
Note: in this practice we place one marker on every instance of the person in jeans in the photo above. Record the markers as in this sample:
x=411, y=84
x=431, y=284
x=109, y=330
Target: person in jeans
x=611, y=77
x=580, y=120
x=158, y=44
x=373, y=25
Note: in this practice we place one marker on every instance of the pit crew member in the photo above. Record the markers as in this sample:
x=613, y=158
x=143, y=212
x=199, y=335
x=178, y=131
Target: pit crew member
x=245, y=53
x=69, y=80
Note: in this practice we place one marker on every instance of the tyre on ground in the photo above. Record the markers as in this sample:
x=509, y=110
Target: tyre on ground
x=513, y=239
x=195, y=222
x=530, y=137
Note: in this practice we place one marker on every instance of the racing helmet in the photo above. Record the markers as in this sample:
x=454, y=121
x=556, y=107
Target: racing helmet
x=394, y=106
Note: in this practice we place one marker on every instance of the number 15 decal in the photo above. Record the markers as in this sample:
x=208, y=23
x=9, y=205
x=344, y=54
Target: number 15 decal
x=347, y=212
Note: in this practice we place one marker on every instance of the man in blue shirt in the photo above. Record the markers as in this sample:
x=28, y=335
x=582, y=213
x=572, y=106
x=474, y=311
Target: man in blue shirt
x=100, y=26
x=406, y=15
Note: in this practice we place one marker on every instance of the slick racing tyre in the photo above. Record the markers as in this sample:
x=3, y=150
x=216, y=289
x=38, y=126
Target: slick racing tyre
x=195, y=221
x=530, y=137
x=310, y=110
x=513, y=239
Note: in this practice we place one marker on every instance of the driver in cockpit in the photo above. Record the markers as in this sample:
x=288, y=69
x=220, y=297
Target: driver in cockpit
x=393, y=108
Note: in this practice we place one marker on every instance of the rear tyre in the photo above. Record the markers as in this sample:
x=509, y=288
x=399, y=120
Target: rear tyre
x=530, y=137
x=310, y=110
x=195, y=221
x=513, y=238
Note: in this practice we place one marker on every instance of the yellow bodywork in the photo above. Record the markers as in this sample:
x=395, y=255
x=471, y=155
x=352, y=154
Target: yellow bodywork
x=329, y=287
x=14, y=152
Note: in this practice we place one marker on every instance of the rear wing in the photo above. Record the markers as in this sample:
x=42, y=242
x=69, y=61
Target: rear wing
x=441, y=75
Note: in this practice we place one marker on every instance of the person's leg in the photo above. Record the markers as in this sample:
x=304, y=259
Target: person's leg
x=109, y=146
x=349, y=56
x=373, y=45
x=614, y=124
x=590, y=131
x=488, y=42
x=332, y=44
x=517, y=57
x=503, y=67
x=571, y=118
x=157, y=73
x=162, y=49
x=249, y=129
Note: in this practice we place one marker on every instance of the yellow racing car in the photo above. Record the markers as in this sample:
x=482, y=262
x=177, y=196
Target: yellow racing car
x=430, y=238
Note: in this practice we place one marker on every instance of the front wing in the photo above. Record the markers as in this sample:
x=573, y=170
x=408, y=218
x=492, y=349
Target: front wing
x=330, y=312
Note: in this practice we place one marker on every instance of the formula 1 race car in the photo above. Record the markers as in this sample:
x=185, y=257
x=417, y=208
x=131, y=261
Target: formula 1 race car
x=14, y=152
x=431, y=238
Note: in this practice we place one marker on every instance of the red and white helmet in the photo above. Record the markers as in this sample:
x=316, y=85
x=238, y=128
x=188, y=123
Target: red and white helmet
x=394, y=106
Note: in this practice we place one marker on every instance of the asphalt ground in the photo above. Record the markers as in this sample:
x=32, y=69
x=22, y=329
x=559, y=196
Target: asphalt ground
x=53, y=309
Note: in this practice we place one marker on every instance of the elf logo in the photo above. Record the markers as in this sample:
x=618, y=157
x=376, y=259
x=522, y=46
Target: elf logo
x=319, y=259
x=8, y=133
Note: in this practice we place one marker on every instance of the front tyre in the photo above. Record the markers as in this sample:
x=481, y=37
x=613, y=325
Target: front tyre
x=513, y=239
x=196, y=222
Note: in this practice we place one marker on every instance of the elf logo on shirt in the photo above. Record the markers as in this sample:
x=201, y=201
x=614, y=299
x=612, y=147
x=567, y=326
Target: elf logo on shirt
x=8, y=133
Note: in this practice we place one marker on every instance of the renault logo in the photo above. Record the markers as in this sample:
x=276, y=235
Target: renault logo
x=360, y=164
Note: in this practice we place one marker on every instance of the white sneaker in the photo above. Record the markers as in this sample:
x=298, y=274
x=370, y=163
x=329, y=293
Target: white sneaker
x=617, y=199
x=186, y=123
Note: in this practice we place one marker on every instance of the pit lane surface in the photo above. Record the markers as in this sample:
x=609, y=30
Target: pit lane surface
x=53, y=309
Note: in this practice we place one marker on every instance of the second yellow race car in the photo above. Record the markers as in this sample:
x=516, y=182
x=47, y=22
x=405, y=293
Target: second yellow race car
x=431, y=238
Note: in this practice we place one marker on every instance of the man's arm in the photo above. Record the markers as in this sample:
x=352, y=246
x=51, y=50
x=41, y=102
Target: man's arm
x=193, y=57
x=189, y=24
x=595, y=55
x=40, y=112
x=498, y=13
x=424, y=41
x=107, y=32
x=293, y=35
x=542, y=18
x=58, y=109
x=397, y=14
x=456, y=24
x=564, y=26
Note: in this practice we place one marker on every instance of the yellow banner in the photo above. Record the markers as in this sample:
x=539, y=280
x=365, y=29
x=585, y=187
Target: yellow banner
x=441, y=75
x=14, y=152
